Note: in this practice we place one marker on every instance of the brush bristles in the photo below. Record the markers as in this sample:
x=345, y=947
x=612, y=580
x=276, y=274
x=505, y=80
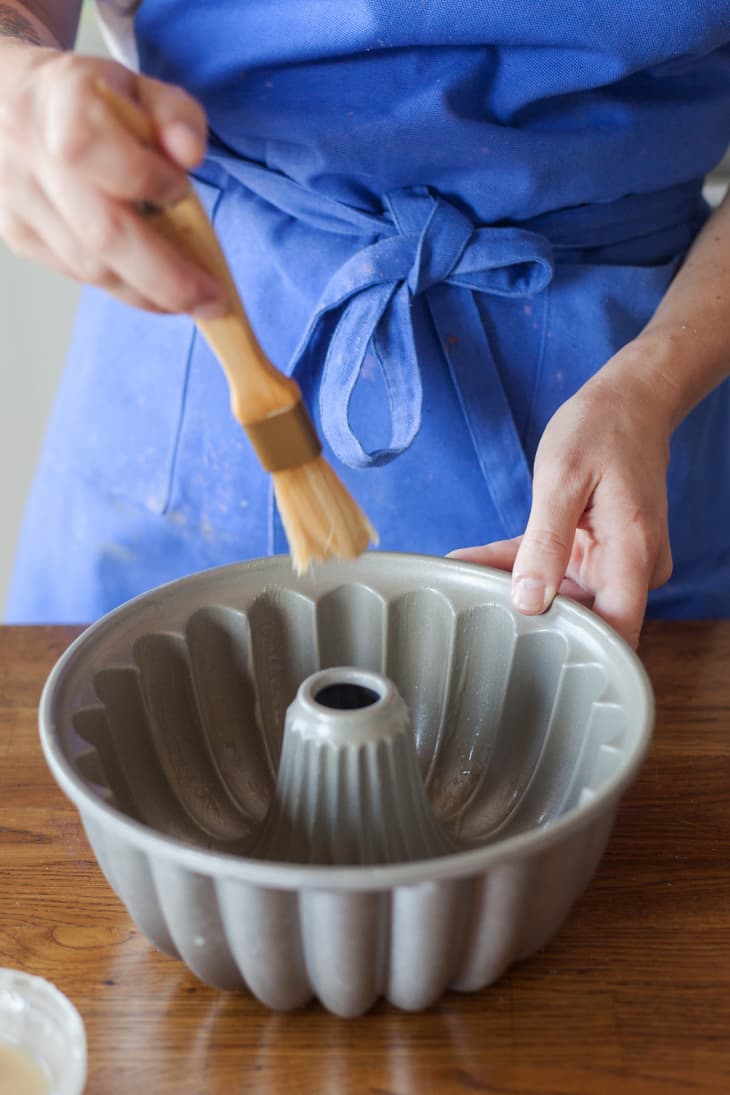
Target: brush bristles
x=321, y=519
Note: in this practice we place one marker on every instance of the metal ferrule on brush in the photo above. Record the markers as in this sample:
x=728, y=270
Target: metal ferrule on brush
x=284, y=439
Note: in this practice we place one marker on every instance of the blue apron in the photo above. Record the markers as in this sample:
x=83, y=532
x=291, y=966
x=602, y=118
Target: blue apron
x=443, y=219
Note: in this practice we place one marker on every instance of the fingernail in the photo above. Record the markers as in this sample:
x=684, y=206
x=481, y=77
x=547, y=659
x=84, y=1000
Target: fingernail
x=214, y=308
x=530, y=595
x=183, y=143
x=182, y=130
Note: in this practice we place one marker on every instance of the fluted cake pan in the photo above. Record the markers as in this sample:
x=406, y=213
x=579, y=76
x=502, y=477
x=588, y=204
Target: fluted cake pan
x=164, y=723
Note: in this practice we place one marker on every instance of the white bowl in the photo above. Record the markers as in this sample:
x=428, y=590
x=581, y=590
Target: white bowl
x=43, y=1023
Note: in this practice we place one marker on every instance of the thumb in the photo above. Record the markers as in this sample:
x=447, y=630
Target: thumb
x=180, y=119
x=543, y=556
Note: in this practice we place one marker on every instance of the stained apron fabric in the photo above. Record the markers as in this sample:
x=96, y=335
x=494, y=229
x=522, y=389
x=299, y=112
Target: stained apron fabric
x=443, y=219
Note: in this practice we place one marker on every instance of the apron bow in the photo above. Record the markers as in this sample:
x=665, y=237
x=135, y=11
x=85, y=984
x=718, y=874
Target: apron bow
x=427, y=244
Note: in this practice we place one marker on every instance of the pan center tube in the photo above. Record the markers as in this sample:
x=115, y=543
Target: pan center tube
x=349, y=790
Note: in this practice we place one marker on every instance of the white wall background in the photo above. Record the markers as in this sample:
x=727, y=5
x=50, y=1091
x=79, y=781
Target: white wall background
x=36, y=315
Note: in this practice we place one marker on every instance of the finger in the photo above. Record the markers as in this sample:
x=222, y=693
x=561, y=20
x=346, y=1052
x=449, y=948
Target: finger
x=24, y=242
x=118, y=289
x=180, y=120
x=49, y=241
x=88, y=139
x=33, y=246
x=500, y=554
x=53, y=243
x=543, y=556
x=35, y=230
x=145, y=262
x=621, y=599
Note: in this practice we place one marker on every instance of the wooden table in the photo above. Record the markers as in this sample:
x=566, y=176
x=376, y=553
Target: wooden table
x=633, y=996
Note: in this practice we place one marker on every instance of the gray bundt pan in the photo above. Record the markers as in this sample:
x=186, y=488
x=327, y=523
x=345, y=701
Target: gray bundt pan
x=163, y=723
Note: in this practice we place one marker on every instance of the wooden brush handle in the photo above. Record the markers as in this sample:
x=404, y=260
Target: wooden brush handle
x=258, y=389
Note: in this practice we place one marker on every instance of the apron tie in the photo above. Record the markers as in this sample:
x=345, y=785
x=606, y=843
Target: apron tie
x=421, y=245
x=367, y=303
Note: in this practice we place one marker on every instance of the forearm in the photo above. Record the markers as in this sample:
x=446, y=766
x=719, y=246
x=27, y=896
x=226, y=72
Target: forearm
x=34, y=23
x=684, y=351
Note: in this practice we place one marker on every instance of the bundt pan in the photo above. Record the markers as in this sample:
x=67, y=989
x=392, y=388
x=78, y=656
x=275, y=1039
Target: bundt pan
x=456, y=847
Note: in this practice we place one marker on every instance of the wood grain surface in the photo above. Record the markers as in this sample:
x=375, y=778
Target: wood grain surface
x=633, y=996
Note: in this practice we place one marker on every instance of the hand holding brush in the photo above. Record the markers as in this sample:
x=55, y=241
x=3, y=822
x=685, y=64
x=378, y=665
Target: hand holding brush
x=320, y=517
